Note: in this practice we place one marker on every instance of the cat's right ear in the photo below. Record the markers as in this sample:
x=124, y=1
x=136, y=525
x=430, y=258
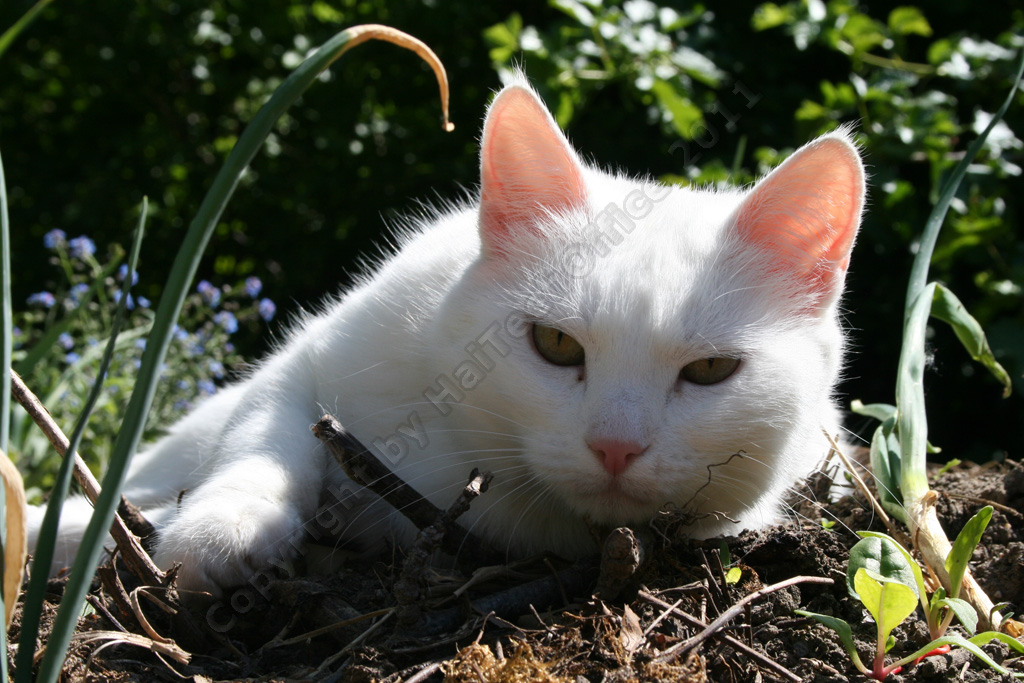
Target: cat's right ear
x=527, y=168
x=805, y=215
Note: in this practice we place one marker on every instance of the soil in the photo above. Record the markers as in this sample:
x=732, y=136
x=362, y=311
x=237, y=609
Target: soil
x=540, y=620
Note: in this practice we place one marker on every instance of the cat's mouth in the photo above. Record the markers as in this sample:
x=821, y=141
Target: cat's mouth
x=618, y=497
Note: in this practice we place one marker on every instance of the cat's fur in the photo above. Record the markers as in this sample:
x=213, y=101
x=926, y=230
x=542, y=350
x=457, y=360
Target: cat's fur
x=648, y=279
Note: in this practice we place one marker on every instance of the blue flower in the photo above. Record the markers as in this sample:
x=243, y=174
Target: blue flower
x=78, y=291
x=206, y=387
x=122, y=273
x=229, y=347
x=117, y=299
x=227, y=320
x=140, y=344
x=183, y=384
x=44, y=299
x=16, y=331
x=54, y=238
x=266, y=309
x=180, y=333
x=182, y=405
x=82, y=247
x=144, y=302
x=210, y=294
x=66, y=341
x=253, y=287
x=72, y=357
x=216, y=369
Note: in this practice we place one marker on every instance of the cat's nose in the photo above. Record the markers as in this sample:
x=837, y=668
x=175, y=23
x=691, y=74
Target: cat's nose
x=615, y=455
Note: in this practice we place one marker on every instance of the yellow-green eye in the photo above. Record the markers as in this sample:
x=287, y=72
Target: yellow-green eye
x=709, y=370
x=556, y=346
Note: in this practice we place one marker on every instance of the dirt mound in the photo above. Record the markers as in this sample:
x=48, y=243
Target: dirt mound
x=538, y=620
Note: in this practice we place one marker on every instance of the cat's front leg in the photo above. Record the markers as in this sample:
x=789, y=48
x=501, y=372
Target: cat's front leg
x=250, y=515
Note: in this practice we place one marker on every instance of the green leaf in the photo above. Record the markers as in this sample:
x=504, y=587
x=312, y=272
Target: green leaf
x=967, y=615
x=963, y=547
x=1005, y=638
x=958, y=641
x=915, y=570
x=845, y=635
x=769, y=15
x=909, y=20
x=882, y=556
x=733, y=576
x=685, y=114
x=889, y=602
x=885, y=467
x=879, y=411
x=947, y=308
x=863, y=32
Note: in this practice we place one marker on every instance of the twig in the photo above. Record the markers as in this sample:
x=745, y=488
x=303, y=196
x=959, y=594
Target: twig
x=137, y=559
x=407, y=587
x=308, y=635
x=424, y=673
x=365, y=469
x=694, y=622
x=728, y=615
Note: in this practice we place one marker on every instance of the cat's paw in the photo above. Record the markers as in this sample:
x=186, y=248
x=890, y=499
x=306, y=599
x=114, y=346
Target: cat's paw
x=222, y=544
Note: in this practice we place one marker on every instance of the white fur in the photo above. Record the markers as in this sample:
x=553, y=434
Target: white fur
x=679, y=288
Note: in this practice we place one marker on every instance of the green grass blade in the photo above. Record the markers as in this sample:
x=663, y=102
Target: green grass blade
x=171, y=302
x=61, y=634
x=947, y=308
x=7, y=319
x=6, y=349
x=21, y=24
x=923, y=259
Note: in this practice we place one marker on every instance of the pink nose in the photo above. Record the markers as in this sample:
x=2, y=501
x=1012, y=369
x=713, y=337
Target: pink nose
x=615, y=455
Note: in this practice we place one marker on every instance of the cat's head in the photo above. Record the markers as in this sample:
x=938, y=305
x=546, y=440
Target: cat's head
x=664, y=346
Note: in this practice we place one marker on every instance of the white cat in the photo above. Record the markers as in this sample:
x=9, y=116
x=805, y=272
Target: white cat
x=604, y=345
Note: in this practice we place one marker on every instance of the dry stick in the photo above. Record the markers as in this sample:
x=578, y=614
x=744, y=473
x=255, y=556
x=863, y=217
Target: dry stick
x=365, y=469
x=763, y=659
x=134, y=555
x=728, y=615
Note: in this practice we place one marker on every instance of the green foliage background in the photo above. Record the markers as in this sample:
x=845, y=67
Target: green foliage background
x=103, y=102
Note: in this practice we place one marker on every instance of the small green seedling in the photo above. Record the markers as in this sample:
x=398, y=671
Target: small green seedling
x=885, y=578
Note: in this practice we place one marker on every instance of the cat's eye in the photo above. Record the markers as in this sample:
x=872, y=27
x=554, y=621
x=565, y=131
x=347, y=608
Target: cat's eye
x=556, y=346
x=709, y=370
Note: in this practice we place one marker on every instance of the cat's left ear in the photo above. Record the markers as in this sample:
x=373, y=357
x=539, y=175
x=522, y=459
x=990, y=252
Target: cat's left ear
x=805, y=215
x=527, y=168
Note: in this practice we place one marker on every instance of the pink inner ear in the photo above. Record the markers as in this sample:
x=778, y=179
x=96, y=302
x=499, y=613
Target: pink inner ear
x=807, y=212
x=527, y=167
